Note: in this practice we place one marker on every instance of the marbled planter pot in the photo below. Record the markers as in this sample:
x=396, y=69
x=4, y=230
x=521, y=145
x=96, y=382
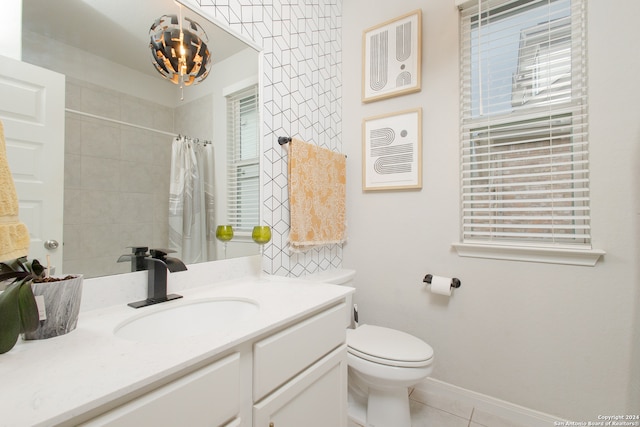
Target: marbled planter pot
x=61, y=305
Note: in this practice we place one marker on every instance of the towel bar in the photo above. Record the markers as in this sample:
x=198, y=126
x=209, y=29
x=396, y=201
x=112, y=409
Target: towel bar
x=282, y=140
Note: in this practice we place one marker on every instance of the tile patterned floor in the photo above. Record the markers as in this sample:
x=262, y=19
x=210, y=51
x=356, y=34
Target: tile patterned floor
x=423, y=415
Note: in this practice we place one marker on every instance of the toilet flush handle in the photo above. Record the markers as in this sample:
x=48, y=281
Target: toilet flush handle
x=355, y=315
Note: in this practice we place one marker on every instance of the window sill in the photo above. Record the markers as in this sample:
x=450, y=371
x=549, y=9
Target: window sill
x=568, y=256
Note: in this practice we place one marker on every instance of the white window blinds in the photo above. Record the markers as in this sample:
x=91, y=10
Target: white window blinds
x=525, y=170
x=243, y=169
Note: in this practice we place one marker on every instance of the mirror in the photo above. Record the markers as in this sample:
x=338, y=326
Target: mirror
x=121, y=118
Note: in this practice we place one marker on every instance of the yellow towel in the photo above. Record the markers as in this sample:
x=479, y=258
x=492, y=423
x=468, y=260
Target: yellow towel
x=14, y=236
x=317, y=195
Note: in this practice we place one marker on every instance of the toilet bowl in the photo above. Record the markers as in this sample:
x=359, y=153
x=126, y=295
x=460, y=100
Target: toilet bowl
x=383, y=364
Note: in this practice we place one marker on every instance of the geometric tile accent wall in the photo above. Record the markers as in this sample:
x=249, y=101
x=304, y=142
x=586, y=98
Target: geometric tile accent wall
x=301, y=42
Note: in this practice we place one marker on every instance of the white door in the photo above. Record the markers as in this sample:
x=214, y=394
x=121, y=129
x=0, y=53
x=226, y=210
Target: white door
x=32, y=111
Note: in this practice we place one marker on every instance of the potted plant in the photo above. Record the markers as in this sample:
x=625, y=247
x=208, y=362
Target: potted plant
x=18, y=307
x=54, y=300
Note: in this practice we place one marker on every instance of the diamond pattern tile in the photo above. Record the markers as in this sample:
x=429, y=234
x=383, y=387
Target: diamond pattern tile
x=302, y=46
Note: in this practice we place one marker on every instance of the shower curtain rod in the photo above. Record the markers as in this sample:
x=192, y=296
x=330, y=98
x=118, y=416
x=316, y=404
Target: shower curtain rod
x=120, y=122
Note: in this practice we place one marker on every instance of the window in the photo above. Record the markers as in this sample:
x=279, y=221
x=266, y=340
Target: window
x=243, y=166
x=524, y=148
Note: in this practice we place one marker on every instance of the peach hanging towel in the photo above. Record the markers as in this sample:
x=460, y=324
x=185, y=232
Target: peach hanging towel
x=317, y=196
x=14, y=236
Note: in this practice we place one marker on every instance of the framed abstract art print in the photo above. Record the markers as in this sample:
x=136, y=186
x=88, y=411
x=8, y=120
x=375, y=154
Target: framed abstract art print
x=391, y=57
x=392, y=151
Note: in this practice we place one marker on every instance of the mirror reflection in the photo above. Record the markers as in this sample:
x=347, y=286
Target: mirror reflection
x=128, y=132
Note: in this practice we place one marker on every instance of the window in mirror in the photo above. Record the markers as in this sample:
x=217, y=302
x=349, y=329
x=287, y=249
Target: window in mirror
x=243, y=176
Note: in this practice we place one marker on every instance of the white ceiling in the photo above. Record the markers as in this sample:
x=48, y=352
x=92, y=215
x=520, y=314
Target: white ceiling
x=117, y=29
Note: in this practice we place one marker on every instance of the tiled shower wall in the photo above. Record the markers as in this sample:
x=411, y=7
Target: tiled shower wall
x=116, y=176
x=116, y=181
x=301, y=41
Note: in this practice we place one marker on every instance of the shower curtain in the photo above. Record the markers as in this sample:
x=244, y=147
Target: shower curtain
x=191, y=201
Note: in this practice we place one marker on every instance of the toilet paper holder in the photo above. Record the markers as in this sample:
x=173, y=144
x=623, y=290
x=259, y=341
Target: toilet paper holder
x=455, y=282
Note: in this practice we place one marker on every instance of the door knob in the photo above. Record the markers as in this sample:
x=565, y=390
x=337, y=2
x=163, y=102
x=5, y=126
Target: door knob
x=51, y=244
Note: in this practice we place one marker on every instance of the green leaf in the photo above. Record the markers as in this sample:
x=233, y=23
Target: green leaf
x=5, y=268
x=29, y=317
x=17, y=275
x=9, y=317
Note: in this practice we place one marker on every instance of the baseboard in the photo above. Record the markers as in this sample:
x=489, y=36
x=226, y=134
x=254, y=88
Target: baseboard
x=477, y=406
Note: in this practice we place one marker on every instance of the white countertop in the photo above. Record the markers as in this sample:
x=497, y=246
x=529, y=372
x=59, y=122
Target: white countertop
x=48, y=382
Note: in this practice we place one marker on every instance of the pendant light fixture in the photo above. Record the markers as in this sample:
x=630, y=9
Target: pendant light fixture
x=179, y=49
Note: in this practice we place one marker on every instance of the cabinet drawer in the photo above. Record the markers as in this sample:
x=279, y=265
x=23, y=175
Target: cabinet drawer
x=285, y=354
x=315, y=398
x=207, y=397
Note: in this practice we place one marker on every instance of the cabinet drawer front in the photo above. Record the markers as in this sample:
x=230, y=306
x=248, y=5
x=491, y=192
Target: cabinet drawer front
x=287, y=353
x=315, y=398
x=206, y=397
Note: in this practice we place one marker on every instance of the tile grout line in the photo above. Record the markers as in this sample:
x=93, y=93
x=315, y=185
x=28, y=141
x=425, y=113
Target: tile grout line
x=443, y=410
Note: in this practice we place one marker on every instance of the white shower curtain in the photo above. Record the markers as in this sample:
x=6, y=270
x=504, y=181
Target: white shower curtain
x=191, y=201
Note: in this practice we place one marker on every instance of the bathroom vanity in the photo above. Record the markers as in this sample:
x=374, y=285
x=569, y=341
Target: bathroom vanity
x=283, y=364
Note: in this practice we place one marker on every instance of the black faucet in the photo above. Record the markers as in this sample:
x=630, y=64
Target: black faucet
x=157, y=266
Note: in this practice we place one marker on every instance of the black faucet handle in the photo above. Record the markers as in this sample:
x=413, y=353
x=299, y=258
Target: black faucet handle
x=161, y=253
x=139, y=250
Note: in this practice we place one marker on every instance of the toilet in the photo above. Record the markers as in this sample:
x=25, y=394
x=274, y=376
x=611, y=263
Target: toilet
x=383, y=364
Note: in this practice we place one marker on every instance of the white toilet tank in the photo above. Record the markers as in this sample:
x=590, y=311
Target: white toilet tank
x=342, y=277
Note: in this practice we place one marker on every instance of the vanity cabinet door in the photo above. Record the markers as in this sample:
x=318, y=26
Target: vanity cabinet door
x=207, y=397
x=315, y=398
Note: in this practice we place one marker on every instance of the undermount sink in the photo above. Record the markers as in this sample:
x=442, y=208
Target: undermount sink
x=187, y=319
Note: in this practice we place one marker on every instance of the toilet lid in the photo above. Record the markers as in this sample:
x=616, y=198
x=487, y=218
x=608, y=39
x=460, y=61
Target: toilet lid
x=388, y=346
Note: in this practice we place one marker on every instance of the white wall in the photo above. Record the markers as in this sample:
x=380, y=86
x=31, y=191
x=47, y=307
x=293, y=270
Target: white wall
x=558, y=339
x=83, y=65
